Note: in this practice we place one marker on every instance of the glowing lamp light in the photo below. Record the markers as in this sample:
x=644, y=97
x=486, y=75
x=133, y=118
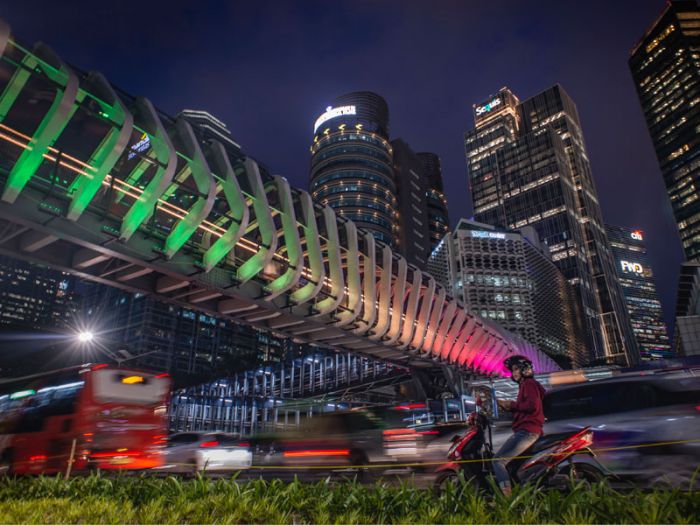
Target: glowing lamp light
x=86, y=337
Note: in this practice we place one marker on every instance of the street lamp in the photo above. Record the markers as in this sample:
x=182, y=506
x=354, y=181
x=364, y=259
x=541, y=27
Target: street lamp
x=88, y=338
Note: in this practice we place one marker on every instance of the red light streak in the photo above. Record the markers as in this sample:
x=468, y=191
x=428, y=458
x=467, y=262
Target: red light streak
x=313, y=453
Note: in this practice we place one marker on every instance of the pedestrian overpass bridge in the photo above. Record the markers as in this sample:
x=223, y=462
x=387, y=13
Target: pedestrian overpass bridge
x=99, y=183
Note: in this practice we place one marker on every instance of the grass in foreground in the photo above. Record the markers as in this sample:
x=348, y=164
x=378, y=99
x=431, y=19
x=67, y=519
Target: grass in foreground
x=170, y=500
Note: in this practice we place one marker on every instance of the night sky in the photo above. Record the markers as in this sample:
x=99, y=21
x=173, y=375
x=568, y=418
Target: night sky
x=268, y=69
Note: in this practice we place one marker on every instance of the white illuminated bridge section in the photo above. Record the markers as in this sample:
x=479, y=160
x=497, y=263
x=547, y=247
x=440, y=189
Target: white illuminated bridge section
x=99, y=183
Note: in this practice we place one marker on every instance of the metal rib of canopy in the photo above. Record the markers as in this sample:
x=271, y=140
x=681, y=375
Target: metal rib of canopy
x=100, y=183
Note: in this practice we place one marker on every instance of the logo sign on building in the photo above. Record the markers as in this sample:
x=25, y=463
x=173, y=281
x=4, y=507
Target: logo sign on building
x=480, y=110
x=637, y=235
x=332, y=112
x=142, y=145
x=488, y=235
x=631, y=267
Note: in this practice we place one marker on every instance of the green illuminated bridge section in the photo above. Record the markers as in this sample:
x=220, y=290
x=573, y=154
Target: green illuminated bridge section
x=99, y=183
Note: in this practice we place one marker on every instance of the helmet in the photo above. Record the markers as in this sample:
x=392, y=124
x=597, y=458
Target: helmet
x=519, y=360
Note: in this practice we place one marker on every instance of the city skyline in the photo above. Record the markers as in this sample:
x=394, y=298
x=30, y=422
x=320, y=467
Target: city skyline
x=278, y=262
x=449, y=65
x=225, y=228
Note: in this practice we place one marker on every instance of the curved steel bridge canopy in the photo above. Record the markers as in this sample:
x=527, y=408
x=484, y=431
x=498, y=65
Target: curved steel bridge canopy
x=99, y=183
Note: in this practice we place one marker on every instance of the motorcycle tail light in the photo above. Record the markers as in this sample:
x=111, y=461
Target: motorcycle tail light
x=564, y=449
x=456, y=449
x=586, y=440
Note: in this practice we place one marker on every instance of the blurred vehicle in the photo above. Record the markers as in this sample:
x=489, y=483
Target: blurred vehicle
x=644, y=424
x=191, y=452
x=335, y=439
x=420, y=433
x=104, y=417
x=553, y=459
x=386, y=435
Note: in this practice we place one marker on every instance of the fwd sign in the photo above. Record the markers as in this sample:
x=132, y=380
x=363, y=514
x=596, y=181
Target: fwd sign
x=631, y=267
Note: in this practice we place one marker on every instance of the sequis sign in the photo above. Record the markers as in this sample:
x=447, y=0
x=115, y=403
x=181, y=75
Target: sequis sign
x=480, y=110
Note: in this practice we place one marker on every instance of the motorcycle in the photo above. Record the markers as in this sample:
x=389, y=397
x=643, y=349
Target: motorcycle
x=554, y=460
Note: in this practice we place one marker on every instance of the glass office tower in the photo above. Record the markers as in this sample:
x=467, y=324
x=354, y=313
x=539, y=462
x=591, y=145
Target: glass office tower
x=351, y=163
x=438, y=217
x=413, y=238
x=528, y=166
x=665, y=66
x=34, y=297
x=686, y=337
x=637, y=281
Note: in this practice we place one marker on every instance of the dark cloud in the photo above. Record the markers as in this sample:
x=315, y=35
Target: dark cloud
x=268, y=68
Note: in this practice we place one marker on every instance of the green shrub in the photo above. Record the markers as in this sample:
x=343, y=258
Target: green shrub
x=123, y=499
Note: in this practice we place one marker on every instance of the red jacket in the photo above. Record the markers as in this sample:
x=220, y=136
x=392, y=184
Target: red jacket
x=528, y=414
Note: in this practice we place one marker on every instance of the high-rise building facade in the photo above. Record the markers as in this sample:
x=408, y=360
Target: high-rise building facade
x=686, y=337
x=413, y=235
x=665, y=66
x=34, y=297
x=181, y=341
x=637, y=281
x=508, y=276
x=438, y=217
x=351, y=163
x=209, y=125
x=528, y=166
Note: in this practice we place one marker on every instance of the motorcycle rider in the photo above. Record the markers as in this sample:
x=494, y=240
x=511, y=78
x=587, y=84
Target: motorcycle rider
x=528, y=417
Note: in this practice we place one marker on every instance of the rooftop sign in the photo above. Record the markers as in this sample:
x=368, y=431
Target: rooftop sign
x=495, y=101
x=332, y=113
x=488, y=235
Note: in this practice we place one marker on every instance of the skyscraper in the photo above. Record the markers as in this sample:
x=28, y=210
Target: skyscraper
x=37, y=316
x=438, y=217
x=665, y=66
x=508, y=276
x=637, y=281
x=686, y=337
x=178, y=340
x=33, y=297
x=209, y=125
x=528, y=166
x=351, y=163
x=413, y=235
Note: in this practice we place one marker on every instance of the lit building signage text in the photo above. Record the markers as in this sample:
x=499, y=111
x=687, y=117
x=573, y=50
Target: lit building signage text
x=488, y=235
x=480, y=110
x=332, y=112
x=637, y=235
x=631, y=267
x=142, y=145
